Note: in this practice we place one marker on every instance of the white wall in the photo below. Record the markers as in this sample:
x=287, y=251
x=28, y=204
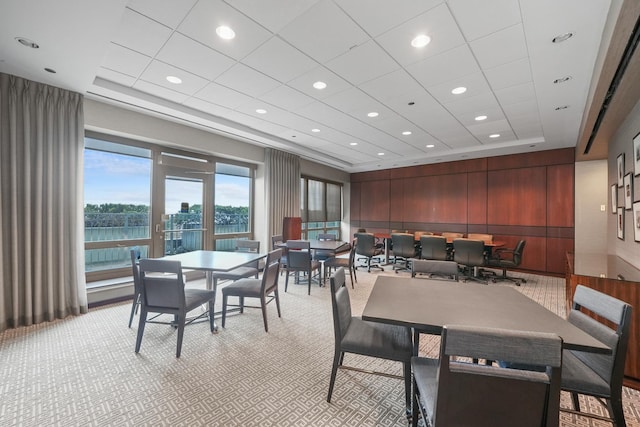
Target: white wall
x=590, y=196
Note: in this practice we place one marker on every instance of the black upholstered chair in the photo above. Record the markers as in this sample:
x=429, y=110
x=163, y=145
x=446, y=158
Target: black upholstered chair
x=354, y=335
x=252, y=246
x=137, y=284
x=299, y=260
x=430, y=267
x=368, y=249
x=451, y=391
x=470, y=255
x=505, y=258
x=265, y=289
x=163, y=292
x=598, y=375
x=348, y=263
x=404, y=248
x=434, y=247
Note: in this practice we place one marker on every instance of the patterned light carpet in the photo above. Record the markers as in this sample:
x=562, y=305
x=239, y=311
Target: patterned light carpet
x=82, y=371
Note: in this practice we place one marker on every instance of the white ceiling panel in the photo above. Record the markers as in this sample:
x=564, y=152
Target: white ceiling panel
x=160, y=91
x=516, y=94
x=201, y=23
x=350, y=100
x=125, y=61
x=324, y=32
x=278, y=59
x=116, y=77
x=481, y=18
x=473, y=105
x=529, y=107
x=139, y=33
x=475, y=83
x=510, y=74
x=157, y=73
x=444, y=67
x=167, y=12
x=247, y=80
x=287, y=98
x=363, y=63
x=398, y=84
x=222, y=95
x=304, y=83
x=512, y=47
x=208, y=107
x=272, y=17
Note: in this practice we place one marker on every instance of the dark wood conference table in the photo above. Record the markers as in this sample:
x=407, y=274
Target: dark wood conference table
x=427, y=305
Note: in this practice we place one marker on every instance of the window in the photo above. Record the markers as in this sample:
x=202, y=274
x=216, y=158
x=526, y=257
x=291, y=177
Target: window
x=233, y=195
x=321, y=207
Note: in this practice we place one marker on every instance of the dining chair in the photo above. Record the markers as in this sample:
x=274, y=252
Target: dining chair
x=301, y=261
x=265, y=289
x=592, y=374
x=336, y=262
x=373, y=339
x=452, y=391
x=277, y=242
x=252, y=246
x=163, y=292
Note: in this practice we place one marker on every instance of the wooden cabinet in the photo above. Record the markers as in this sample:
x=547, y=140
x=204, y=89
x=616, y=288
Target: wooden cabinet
x=611, y=275
x=292, y=228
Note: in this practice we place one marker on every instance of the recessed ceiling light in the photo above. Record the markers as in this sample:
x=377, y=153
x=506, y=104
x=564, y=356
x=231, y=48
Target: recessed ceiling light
x=261, y=111
x=562, y=107
x=175, y=80
x=380, y=154
x=315, y=130
x=430, y=145
x=459, y=90
x=494, y=135
x=406, y=132
x=562, y=37
x=320, y=85
x=480, y=118
x=421, y=41
x=562, y=79
x=27, y=42
x=225, y=32
x=372, y=114
x=353, y=143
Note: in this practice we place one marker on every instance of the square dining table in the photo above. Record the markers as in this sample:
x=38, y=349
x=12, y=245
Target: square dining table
x=426, y=305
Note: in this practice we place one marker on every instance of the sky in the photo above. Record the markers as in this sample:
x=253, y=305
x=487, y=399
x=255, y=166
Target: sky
x=116, y=178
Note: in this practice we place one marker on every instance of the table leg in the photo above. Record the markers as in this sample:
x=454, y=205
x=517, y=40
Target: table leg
x=212, y=285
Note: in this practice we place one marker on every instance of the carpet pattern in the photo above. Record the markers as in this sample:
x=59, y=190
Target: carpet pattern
x=82, y=371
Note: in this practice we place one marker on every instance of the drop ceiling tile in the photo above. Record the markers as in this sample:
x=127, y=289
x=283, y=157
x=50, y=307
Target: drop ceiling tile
x=208, y=107
x=286, y=98
x=505, y=136
x=475, y=83
x=222, y=95
x=139, y=33
x=444, y=67
x=114, y=76
x=194, y=57
x=516, y=94
x=511, y=74
x=363, y=63
x=160, y=92
x=378, y=16
x=201, y=23
x=512, y=44
x=528, y=108
x=469, y=118
x=474, y=105
x=323, y=32
x=478, y=19
x=485, y=128
x=398, y=84
x=274, y=18
x=247, y=80
x=167, y=12
x=305, y=82
x=125, y=61
x=436, y=23
x=350, y=100
x=157, y=73
x=278, y=59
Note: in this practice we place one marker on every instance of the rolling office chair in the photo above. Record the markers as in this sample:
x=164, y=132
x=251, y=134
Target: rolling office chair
x=366, y=247
x=508, y=258
x=434, y=247
x=404, y=249
x=470, y=254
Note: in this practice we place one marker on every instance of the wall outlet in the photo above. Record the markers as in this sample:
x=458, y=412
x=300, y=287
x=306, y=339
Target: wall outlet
x=603, y=208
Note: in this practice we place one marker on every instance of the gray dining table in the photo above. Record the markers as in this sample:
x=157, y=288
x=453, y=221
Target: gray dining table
x=426, y=305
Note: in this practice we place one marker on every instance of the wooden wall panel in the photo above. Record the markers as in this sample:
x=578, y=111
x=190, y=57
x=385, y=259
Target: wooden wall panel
x=527, y=160
x=416, y=200
x=477, y=197
x=396, y=200
x=355, y=202
x=446, y=197
x=374, y=201
x=556, y=254
x=560, y=200
x=517, y=197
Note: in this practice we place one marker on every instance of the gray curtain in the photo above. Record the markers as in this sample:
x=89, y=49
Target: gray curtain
x=41, y=178
x=282, y=180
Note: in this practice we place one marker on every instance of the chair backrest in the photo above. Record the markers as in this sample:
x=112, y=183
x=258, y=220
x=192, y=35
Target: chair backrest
x=276, y=240
x=468, y=252
x=517, y=252
x=495, y=396
x=403, y=244
x=137, y=283
x=352, y=253
x=418, y=234
x=271, y=271
x=487, y=238
x=450, y=235
x=366, y=244
x=327, y=236
x=252, y=246
x=298, y=254
x=433, y=247
x=162, y=284
x=438, y=267
x=609, y=367
x=340, y=303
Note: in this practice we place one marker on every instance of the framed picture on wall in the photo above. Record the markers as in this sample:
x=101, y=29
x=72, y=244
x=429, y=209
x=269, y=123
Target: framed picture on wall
x=614, y=199
x=628, y=191
x=620, y=223
x=620, y=169
x=636, y=155
x=636, y=221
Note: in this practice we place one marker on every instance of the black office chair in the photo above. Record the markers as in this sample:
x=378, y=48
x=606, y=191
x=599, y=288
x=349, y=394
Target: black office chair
x=434, y=247
x=592, y=374
x=431, y=267
x=163, y=292
x=366, y=247
x=471, y=256
x=300, y=261
x=354, y=335
x=404, y=249
x=505, y=258
x=450, y=391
